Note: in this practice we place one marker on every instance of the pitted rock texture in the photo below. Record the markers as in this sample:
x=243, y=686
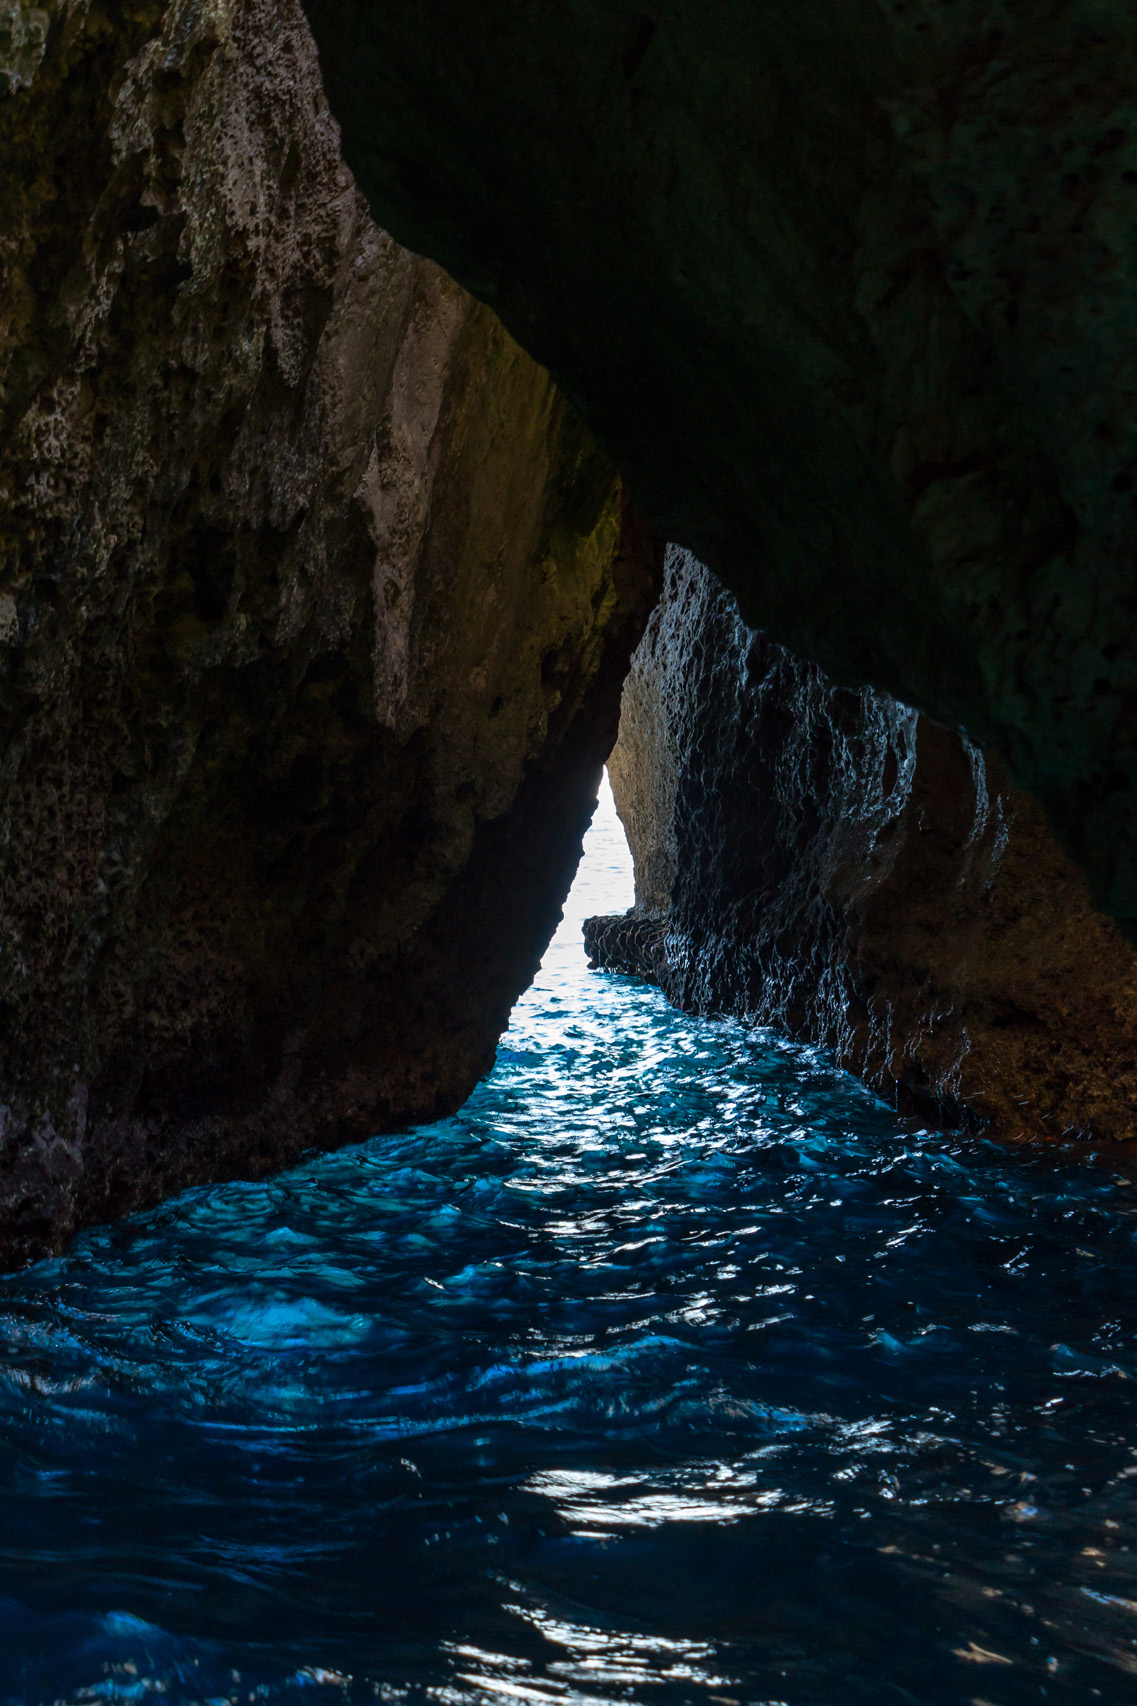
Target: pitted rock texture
x=315, y=600
x=855, y=875
x=847, y=286
x=630, y=942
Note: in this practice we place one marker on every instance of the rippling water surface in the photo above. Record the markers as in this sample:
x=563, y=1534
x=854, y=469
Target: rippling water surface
x=673, y=1369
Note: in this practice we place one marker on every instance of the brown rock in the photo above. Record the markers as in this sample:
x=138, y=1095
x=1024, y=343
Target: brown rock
x=855, y=875
x=315, y=598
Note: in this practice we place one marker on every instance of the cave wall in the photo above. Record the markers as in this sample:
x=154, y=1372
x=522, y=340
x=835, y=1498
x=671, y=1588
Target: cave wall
x=847, y=287
x=315, y=600
x=829, y=862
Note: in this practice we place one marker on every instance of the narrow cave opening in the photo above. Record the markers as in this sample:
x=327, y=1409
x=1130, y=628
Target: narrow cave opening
x=674, y=1362
x=703, y=1346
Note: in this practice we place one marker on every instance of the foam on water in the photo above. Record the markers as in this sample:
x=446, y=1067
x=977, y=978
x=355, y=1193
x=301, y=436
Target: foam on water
x=674, y=1368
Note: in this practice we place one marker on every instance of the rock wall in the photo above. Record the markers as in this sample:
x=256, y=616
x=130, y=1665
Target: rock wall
x=315, y=600
x=851, y=873
x=847, y=286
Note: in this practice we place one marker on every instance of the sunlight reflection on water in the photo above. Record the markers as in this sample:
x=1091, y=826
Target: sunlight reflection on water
x=674, y=1368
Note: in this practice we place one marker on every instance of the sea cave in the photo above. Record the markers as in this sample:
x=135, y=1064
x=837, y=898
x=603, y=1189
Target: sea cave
x=568, y=852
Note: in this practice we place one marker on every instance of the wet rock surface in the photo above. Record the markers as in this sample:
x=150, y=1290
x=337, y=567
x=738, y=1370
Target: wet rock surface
x=315, y=599
x=847, y=287
x=853, y=874
x=627, y=942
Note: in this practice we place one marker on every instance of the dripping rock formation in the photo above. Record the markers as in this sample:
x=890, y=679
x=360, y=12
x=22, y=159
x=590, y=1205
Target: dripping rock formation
x=315, y=601
x=846, y=287
x=828, y=862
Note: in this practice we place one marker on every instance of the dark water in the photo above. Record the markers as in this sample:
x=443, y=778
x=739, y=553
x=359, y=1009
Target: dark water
x=673, y=1369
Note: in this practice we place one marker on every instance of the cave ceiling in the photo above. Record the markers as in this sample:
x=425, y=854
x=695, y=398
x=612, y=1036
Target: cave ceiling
x=846, y=287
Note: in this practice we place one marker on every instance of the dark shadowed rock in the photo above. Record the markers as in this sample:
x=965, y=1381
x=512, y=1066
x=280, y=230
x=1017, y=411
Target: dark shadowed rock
x=315, y=599
x=630, y=942
x=851, y=873
x=848, y=288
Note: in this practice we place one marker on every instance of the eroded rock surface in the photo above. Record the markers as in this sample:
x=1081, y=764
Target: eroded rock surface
x=856, y=875
x=315, y=599
x=848, y=288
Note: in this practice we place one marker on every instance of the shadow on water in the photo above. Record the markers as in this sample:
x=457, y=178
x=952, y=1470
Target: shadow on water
x=674, y=1368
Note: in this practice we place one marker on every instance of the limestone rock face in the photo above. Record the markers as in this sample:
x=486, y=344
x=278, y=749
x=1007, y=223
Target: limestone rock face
x=855, y=875
x=315, y=599
x=847, y=286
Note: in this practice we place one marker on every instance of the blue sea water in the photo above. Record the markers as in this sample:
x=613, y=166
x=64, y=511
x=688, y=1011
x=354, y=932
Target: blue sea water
x=675, y=1368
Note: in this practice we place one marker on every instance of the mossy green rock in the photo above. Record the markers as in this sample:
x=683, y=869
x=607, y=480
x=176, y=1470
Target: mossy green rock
x=848, y=286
